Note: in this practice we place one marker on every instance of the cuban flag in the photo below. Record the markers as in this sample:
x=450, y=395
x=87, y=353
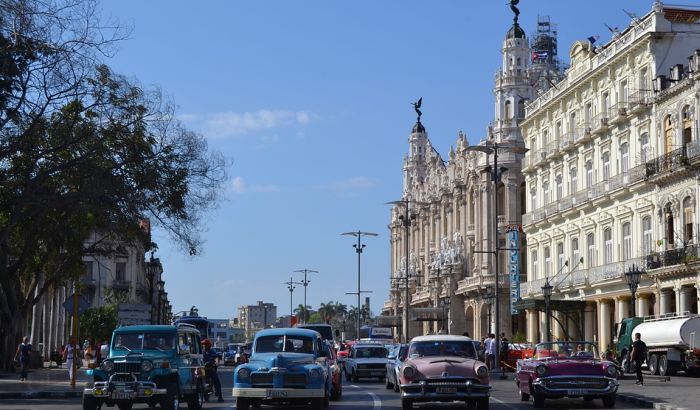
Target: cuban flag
x=539, y=55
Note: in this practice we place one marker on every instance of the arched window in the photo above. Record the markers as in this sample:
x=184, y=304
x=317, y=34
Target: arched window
x=646, y=235
x=688, y=220
x=509, y=111
x=589, y=173
x=575, y=252
x=590, y=243
x=626, y=241
x=687, y=125
x=560, y=187
x=644, y=145
x=608, y=251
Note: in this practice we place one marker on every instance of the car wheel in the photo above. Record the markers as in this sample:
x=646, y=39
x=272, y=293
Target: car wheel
x=482, y=403
x=524, y=396
x=609, y=401
x=171, y=400
x=242, y=403
x=663, y=365
x=406, y=404
x=196, y=399
x=396, y=387
x=626, y=364
x=537, y=401
x=653, y=364
x=89, y=402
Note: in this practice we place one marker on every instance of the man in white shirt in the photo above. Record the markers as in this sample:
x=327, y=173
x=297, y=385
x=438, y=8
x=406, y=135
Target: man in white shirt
x=490, y=350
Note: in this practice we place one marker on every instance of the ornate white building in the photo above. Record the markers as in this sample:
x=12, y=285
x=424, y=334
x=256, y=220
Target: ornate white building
x=451, y=211
x=612, y=180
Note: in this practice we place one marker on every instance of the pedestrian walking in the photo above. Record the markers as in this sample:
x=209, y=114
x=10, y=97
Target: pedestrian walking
x=639, y=352
x=490, y=350
x=503, y=349
x=69, y=356
x=24, y=350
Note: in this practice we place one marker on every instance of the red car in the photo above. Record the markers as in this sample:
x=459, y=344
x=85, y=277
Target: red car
x=567, y=369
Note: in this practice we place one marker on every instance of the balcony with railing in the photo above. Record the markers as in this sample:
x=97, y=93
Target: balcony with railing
x=673, y=164
x=681, y=257
x=600, y=123
x=619, y=112
x=639, y=100
x=582, y=133
x=566, y=140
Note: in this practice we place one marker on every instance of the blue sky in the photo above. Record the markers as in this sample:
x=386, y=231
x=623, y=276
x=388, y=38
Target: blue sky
x=311, y=102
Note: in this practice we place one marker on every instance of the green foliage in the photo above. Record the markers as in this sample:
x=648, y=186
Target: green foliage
x=98, y=322
x=315, y=318
x=519, y=337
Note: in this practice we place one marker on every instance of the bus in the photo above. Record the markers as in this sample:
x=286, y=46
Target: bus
x=376, y=333
x=201, y=323
x=325, y=330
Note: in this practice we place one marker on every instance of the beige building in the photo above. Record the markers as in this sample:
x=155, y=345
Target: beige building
x=612, y=180
x=256, y=317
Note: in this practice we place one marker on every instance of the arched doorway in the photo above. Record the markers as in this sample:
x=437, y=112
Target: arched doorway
x=484, y=320
x=469, y=318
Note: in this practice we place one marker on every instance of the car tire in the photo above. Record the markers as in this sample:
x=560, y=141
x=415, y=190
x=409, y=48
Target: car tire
x=125, y=405
x=626, y=364
x=242, y=403
x=609, y=401
x=196, y=399
x=653, y=364
x=89, y=402
x=663, y=365
x=482, y=403
x=537, y=401
x=406, y=404
x=524, y=396
x=171, y=400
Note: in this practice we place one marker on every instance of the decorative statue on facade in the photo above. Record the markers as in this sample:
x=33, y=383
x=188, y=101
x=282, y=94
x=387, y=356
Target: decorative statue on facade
x=457, y=247
x=416, y=106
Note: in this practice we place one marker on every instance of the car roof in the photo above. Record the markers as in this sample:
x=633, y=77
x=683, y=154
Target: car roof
x=147, y=328
x=290, y=331
x=441, y=338
x=357, y=345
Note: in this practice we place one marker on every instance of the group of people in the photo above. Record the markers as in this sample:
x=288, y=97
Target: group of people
x=489, y=344
x=89, y=352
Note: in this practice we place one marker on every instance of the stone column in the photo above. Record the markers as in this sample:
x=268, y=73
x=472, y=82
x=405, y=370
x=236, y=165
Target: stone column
x=589, y=321
x=687, y=296
x=604, y=325
x=457, y=319
x=665, y=304
x=573, y=327
x=642, y=304
x=623, y=309
x=543, y=326
x=557, y=331
x=532, y=326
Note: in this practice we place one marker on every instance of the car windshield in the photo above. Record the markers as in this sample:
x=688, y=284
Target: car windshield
x=143, y=341
x=282, y=343
x=442, y=348
x=370, y=352
x=566, y=350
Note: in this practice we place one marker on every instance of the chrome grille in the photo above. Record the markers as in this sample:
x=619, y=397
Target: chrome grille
x=372, y=366
x=261, y=378
x=122, y=378
x=127, y=367
x=295, y=379
x=577, y=383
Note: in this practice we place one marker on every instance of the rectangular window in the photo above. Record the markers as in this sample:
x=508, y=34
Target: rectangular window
x=591, y=250
x=560, y=257
x=120, y=273
x=608, y=246
x=560, y=188
x=547, y=262
x=646, y=235
x=533, y=258
x=576, y=253
x=626, y=242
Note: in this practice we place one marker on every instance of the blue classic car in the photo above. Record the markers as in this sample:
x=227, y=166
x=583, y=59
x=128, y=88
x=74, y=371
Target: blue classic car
x=149, y=364
x=287, y=366
x=393, y=362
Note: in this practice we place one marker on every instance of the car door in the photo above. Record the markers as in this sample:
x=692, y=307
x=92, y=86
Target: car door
x=188, y=346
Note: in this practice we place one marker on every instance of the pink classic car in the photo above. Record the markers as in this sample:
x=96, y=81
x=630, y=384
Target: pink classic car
x=566, y=369
x=443, y=368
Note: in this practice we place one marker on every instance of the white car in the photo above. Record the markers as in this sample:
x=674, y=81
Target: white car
x=366, y=360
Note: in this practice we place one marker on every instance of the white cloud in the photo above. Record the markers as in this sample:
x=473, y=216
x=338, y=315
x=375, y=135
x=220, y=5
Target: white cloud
x=353, y=183
x=234, y=124
x=239, y=186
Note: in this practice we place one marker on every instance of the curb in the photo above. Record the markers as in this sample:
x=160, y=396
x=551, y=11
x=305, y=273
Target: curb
x=41, y=394
x=637, y=400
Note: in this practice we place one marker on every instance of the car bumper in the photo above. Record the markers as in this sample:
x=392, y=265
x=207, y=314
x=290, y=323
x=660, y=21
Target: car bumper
x=370, y=372
x=573, y=387
x=277, y=394
x=131, y=391
x=423, y=391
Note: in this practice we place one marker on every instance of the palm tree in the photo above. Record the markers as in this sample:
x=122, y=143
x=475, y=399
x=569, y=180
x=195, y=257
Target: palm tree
x=303, y=312
x=328, y=311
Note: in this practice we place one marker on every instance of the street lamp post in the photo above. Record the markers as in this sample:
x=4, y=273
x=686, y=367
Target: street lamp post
x=492, y=148
x=547, y=293
x=489, y=298
x=291, y=287
x=305, y=282
x=633, y=276
x=359, y=246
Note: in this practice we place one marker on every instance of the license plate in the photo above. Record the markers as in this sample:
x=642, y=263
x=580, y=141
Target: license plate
x=122, y=395
x=577, y=392
x=276, y=394
x=446, y=390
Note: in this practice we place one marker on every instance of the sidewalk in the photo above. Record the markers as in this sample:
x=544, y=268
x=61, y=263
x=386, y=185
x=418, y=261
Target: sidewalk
x=674, y=393
x=42, y=383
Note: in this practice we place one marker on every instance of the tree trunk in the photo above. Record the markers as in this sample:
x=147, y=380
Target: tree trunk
x=11, y=337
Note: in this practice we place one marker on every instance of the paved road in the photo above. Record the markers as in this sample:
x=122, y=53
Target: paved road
x=356, y=396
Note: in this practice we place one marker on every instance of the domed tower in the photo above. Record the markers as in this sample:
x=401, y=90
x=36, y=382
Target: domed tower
x=513, y=87
x=415, y=165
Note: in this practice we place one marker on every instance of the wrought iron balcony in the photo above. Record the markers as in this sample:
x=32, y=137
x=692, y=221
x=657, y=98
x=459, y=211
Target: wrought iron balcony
x=672, y=162
x=677, y=256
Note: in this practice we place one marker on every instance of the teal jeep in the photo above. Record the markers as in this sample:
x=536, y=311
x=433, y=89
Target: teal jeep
x=149, y=364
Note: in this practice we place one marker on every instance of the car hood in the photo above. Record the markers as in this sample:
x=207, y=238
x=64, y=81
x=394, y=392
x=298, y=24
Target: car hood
x=579, y=367
x=285, y=360
x=139, y=357
x=370, y=360
x=445, y=365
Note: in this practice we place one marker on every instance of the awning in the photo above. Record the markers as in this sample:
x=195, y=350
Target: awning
x=554, y=305
x=388, y=320
x=427, y=314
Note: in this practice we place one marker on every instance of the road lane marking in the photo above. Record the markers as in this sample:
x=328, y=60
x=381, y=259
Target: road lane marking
x=377, y=400
x=503, y=403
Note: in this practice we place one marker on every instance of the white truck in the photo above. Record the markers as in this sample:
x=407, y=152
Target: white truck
x=673, y=343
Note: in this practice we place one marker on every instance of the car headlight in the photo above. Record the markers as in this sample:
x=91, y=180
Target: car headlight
x=314, y=373
x=243, y=373
x=612, y=371
x=107, y=366
x=541, y=370
x=147, y=365
x=409, y=372
x=482, y=371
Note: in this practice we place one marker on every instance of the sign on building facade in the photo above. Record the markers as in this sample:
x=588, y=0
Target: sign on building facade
x=513, y=232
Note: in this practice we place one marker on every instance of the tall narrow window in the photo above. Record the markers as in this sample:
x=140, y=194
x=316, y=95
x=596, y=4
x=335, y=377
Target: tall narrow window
x=560, y=256
x=557, y=130
x=588, y=113
x=644, y=145
x=687, y=125
x=575, y=252
x=626, y=241
x=88, y=269
x=590, y=243
x=608, y=253
x=688, y=220
x=533, y=200
x=589, y=174
x=643, y=81
x=573, y=186
x=572, y=122
x=533, y=259
x=623, y=91
x=624, y=157
x=606, y=103
x=668, y=214
x=509, y=111
x=120, y=271
x=545, y=192
x=547, y=262
x=646, y=235
x=560, y=187
x=606, y=166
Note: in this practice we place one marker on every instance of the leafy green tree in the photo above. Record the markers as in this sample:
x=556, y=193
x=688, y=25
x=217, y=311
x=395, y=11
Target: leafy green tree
x=99, y=322
x=82, y=151
x=315, y=317
x=303, y=313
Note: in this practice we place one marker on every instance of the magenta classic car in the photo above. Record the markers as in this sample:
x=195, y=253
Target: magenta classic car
x=566, y=369
x=443, y=368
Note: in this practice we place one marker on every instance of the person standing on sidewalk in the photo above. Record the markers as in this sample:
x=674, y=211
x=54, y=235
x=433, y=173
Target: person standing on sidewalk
x=639, y=350
x=24, y=350
x=490, y=350
x=69, y=356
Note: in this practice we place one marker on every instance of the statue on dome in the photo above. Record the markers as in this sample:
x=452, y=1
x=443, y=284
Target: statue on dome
x=416, y=106
x=515, y=9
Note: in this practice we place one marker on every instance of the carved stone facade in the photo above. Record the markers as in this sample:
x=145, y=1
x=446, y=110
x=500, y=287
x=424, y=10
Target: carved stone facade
x=612, y=179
